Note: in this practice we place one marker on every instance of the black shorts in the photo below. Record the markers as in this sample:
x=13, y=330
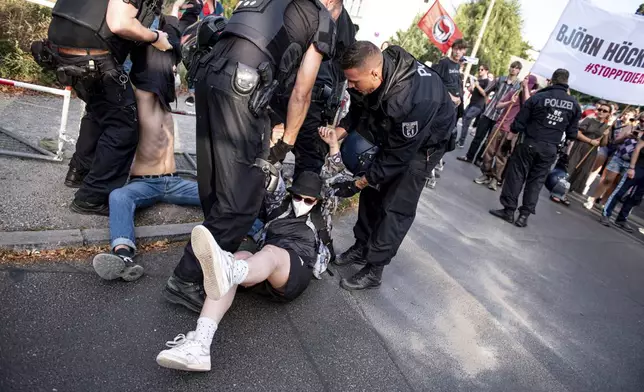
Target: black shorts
x=298, y=280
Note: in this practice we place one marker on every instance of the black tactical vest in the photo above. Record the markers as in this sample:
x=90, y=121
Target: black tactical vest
x=92, y=14
x=262, y=23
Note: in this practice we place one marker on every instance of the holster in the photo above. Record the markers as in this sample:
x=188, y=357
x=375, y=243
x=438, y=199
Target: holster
x=262, y=95
x=44, y=56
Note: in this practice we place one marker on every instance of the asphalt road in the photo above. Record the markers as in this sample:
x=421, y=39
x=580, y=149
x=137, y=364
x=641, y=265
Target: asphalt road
x=470, y=303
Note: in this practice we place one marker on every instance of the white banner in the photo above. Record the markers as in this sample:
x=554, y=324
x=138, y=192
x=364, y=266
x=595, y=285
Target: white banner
x=604, y=52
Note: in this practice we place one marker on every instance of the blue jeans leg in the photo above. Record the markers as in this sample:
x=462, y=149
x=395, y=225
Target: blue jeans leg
x=124, y=201
x=624, y=184
x=635, y=198
x=470, y=114
x=181, y=192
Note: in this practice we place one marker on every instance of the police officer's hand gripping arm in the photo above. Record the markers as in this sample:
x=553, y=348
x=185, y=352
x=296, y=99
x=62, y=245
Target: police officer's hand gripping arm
x=298, y=104
x=403, y=144
x=121, y=20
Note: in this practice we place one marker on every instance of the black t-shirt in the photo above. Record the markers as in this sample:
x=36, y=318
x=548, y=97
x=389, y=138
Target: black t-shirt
x=450, y=72
x=300, y=22
x=477, y=98
x=64, y=32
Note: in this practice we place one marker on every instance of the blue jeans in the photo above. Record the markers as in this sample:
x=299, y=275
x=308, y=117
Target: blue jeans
x=632, y=200
x=468, y=116
x=144, y=192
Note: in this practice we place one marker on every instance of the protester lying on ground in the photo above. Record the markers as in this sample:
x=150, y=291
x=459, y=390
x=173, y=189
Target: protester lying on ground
x=604, y=154
x=632, y=182
x=332, y=172
x=594, y=132
x=153, y=175
x=620, y=162
x=501, y=143
x=291, y=243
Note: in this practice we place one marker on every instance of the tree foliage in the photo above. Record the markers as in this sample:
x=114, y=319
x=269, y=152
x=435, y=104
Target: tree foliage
x=416, y=42
x=640, y=9
x=229, y=7
x=502, y=37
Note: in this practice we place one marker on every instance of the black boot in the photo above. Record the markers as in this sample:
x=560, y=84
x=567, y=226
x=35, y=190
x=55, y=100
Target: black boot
x=522, y=220
x=74, y=178
x=83, y=207
x=369, y=277
x=353, y=255
x=506, y=214
x=188, y=294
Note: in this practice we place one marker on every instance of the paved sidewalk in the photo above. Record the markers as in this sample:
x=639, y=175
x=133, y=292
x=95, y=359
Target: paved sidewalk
x=470, y=303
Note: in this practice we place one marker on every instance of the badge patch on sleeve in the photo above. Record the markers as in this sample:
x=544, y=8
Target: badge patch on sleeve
x=410, y=129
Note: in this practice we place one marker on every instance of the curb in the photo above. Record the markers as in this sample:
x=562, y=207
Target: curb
x=56, y=239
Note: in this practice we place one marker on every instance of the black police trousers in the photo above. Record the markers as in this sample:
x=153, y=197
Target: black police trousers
x=385, y=215
x=529, y=164
x=109, y=133
x=485, y=125
x=229, y=139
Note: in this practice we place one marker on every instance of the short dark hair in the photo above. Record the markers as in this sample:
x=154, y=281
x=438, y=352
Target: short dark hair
x=601, y=102
x=459, y=44
x=560, y=76
x=516, y=64
x=485, y=67
x=356, y=55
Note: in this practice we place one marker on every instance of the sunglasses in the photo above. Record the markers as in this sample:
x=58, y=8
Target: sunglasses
x=603, y=111
x=308, y=202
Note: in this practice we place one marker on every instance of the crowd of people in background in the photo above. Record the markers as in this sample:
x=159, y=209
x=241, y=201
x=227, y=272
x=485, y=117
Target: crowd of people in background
x=610, y=147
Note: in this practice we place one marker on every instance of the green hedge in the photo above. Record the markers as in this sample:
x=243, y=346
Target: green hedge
x=20, y=24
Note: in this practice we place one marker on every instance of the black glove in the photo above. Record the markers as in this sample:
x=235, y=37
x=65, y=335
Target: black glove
x=506, y=147
x=345, y=189
x=278, y=152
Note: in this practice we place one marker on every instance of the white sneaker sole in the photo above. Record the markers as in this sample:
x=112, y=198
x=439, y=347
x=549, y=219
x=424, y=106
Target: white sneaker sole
x=169, y=361
x=208, y=253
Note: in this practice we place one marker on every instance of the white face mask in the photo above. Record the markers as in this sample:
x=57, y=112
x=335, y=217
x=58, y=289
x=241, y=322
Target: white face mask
x=301, y=208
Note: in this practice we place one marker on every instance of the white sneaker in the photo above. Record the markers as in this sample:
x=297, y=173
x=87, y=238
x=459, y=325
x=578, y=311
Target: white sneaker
x=185, y=353
x=589, y=204
x=216, y=264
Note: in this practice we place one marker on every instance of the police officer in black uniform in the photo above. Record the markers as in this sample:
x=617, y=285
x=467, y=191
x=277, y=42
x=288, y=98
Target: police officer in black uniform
x=408, y=113
x=543, y=120
x=86, y=47
x=265, y=43
x=310, y=150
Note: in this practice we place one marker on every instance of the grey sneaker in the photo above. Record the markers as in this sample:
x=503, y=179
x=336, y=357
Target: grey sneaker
x=604, y=220
x=492, y=185
x=110, y=266
x=482, y=179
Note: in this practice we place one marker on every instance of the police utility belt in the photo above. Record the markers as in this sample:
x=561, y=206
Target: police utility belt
x=73, y=64
x=257, y=83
